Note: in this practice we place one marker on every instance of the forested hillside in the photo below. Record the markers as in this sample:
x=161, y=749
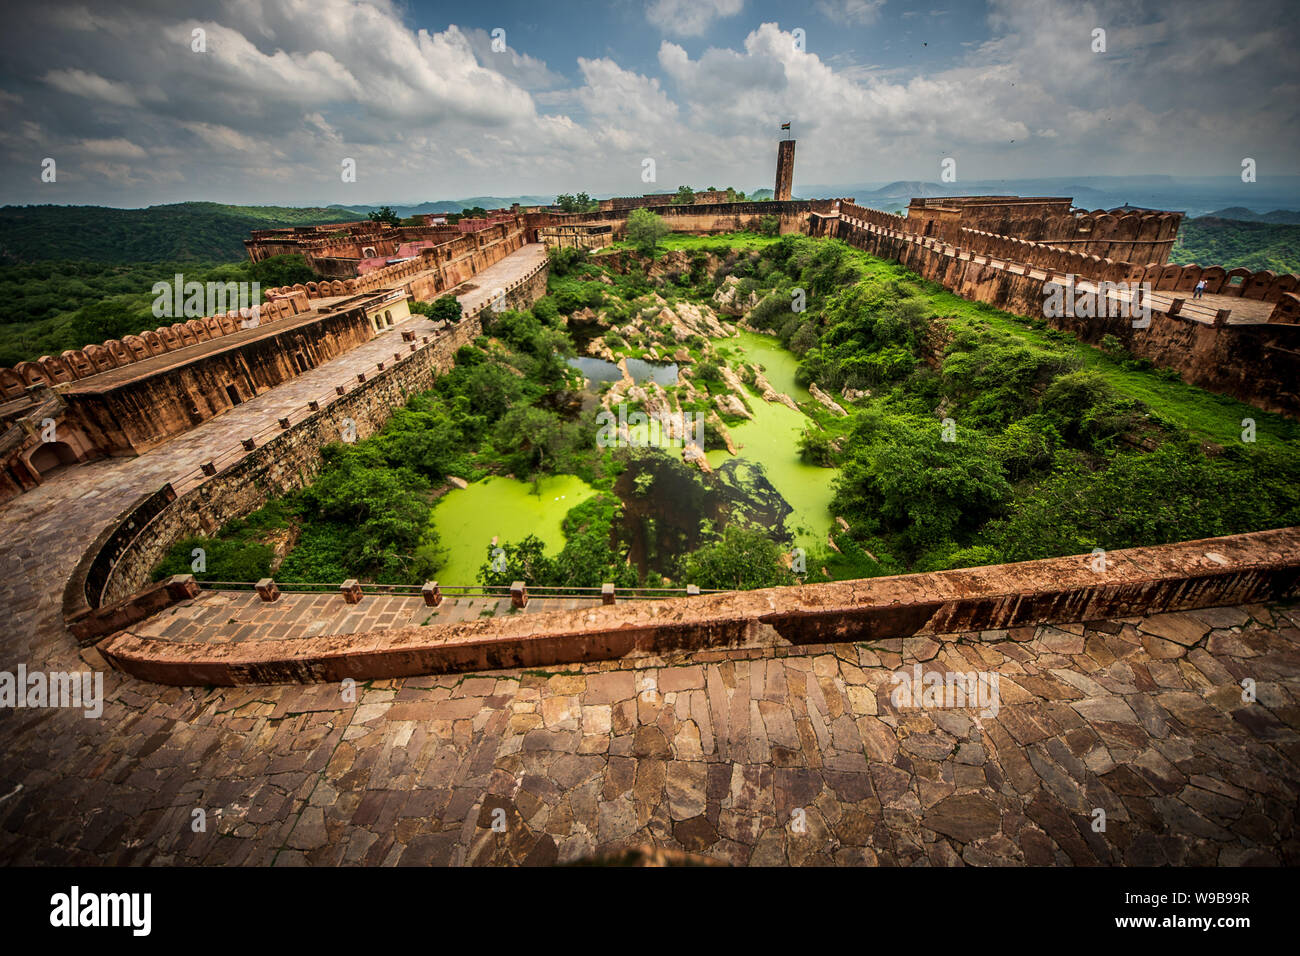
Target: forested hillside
x=1232, y=243
x=191, y=231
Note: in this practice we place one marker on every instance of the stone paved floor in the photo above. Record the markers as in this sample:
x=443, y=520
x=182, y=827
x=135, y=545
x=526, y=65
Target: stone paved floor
x=761, y=756
x=221, y=617
x=712, y=751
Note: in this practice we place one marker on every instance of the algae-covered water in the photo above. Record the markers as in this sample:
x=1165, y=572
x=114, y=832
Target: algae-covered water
x=468, y=518
x=766, y=484
x=771, y=440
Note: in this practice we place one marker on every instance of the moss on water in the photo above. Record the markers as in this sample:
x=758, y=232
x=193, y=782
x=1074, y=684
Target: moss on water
x=468, y=518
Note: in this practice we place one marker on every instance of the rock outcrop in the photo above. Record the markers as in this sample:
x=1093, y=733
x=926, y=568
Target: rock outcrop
x=826, y=400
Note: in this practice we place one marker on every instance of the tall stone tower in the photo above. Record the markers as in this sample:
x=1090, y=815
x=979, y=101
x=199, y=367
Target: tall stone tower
x=784, y=169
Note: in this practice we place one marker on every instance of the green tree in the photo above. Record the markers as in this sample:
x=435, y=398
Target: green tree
x=740, y=559
x=385, y=214
x=685, y=196
x=645, y=229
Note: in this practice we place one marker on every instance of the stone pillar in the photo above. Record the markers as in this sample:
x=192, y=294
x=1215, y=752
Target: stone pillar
x=249, y=444
x=182, y=587
x=351, y=591
x=431, y=593
x=518, y=594
x=267, y=590
x=692, y=590
x=1176, y=306
x=607, y=593
x=784, y=170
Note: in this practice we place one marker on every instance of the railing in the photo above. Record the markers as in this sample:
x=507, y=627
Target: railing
x=433, y=593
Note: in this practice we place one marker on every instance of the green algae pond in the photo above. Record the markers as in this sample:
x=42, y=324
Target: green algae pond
x=467, y=519
x=771, y=439
x=665, y=502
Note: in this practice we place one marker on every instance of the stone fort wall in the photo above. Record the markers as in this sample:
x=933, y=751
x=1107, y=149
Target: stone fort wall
x=1259, y=567
x=1257, y=363
x=286, y=462
x=704, y=218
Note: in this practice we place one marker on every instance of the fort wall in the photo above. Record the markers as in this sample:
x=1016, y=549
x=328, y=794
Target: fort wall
x=1258, y=567
x=1258, y=363
x=121, y=561
x=709, y=218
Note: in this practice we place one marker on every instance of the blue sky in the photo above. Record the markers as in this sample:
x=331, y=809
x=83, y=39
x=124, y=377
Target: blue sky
x=283, y=93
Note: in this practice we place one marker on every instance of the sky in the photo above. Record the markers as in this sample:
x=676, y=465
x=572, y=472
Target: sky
x=266, y=102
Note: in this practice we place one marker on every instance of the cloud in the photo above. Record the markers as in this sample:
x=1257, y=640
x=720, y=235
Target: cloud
x=116, y=148
x=521, y=69
x=92, y=86
x=855, y=13
x=690, y=18
x=428, y=110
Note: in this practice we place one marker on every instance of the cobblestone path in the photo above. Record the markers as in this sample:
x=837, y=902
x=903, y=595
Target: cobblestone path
x=761, y=756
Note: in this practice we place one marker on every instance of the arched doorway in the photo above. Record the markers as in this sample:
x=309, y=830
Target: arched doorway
x=50, y=456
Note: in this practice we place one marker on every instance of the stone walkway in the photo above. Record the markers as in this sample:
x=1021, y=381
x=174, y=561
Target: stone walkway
x=222, y=617
x=44, y=532
x=762, y=756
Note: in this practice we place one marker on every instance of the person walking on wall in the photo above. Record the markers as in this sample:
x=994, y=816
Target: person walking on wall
x=1199, y=290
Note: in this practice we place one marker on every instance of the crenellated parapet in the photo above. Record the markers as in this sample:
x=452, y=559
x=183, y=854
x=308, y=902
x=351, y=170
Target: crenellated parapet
x=73, y=365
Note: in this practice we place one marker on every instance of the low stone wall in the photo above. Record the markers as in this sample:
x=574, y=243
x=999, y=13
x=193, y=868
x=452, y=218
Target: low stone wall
x=1240, y=569
x=125, y=554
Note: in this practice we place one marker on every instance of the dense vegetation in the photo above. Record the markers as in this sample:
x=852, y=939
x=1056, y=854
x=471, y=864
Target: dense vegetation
x=204, y=232
x=973, y=436
x=990, y=438
x=1231, y=243
x=56, y=305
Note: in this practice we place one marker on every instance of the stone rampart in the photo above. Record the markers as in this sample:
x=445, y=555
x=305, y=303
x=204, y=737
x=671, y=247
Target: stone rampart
x=1258, y=363
x=121, y=560
x=1241, y=569
x=72, y=365
x=710, y=218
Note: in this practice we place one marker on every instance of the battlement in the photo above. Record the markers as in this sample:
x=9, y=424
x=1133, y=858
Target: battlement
x=1126, y=233
x=1240, y=338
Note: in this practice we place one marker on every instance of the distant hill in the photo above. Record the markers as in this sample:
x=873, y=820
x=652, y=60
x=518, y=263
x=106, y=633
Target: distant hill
x=191, y=231
x=1211, y=240
x=452, y=205
x=1242, y=214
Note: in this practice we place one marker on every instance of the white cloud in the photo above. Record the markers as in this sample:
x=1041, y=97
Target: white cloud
x=856, y=13
x=286, y=90
x=115, y=148
x=690, y=18
x=91, y=86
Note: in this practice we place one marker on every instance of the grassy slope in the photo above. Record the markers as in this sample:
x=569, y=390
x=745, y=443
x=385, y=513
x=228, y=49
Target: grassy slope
x=1216, y=418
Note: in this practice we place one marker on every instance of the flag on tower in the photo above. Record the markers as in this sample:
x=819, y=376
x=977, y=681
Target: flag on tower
x=785, y=125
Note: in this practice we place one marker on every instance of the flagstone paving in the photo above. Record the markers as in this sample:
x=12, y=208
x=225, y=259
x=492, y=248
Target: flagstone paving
x=222, y=617
x=770, y=755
